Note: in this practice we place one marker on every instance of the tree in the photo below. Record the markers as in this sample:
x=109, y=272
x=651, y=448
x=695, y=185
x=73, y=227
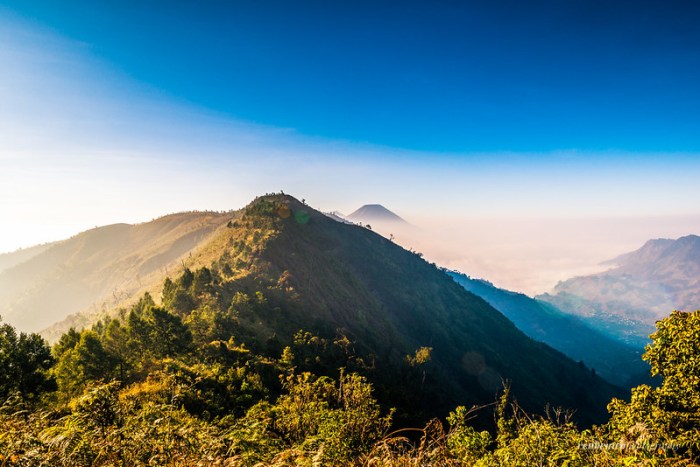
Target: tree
x=176, y=296
x=143, y=304
x=87, y=361
x=202, y=282
x=66, y=342
x=168, y=335
x=665, y=419
x=116, y=343
x=420, y=360
x=24, y=363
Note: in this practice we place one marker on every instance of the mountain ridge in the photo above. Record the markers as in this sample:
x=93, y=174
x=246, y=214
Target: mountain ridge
x=643, y=286
x=13, y=258
x=99, y=268
x=345, y=281
x=615, y=361
x=329, y=277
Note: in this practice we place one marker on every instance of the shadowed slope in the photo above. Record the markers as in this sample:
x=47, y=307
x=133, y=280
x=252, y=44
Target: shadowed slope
x=615, y=361
x=343, y=279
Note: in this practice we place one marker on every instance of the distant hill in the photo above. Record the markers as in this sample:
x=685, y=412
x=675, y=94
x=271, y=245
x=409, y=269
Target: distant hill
x=642, y=287
x=615, y=361
x=9, y=260
x=375, y=213
x=98, y=269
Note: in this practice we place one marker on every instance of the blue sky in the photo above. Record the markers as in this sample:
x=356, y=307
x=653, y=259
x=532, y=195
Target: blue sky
x=432, y=76
x=124, y=111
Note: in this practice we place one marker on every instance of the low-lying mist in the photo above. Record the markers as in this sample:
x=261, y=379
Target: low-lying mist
x=531, y=255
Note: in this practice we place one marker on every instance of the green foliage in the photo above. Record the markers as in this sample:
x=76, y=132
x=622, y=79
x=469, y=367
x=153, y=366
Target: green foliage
x=177, y=296
x=223, y=405
x=168, y=336
x=464, y=442
x=106, y=429
x=116, y=343
x=524, y=440
x=24, y=363
x=208, y=324
x=340, y=419
x=664, y=420
x=316, y=422
x=86, y=362
x=67, y=342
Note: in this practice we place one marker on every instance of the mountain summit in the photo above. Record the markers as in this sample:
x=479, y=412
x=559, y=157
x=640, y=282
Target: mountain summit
x=662, y=258
x=375, y=213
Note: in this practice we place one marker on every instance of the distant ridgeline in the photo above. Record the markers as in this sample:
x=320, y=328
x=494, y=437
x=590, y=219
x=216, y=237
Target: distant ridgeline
x=614, y=360
x=287, y=339
x=97, y=270
x=626, y=301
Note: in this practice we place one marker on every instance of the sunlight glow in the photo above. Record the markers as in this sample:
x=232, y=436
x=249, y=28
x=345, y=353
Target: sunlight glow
x=81, y=145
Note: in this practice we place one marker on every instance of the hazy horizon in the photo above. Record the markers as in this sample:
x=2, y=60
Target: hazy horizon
x=530, y=143
x=527, y=255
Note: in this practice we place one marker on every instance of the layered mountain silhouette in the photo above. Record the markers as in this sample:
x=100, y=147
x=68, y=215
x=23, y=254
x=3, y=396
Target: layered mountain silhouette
x=337, y=280
x=97, y=269
x=615, y=361
x=339, y=217
x=642, y=287
x=9, y=260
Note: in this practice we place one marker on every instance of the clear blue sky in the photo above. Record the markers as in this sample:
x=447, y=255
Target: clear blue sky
x=440, y=76
x=122, y=111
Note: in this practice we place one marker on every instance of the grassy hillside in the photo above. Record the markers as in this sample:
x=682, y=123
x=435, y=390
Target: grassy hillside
x=99, y=269
x=9, y=260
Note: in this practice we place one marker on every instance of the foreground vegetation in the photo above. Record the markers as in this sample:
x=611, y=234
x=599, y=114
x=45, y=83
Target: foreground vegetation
x=152, y=388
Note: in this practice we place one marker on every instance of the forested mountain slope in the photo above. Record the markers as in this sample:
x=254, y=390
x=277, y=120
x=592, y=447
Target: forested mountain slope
x=345, y=282
x=304, y=271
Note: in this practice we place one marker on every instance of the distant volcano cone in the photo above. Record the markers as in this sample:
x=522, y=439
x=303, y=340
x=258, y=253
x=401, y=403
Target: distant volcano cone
x=375, y=213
